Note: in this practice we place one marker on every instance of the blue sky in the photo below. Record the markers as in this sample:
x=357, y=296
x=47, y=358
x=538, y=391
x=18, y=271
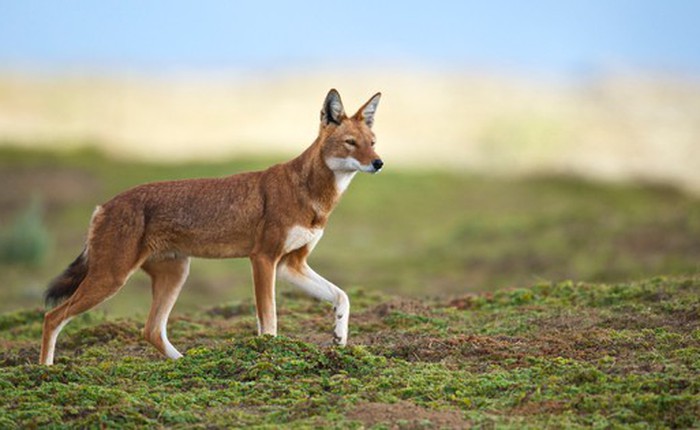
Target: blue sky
x=540, y=35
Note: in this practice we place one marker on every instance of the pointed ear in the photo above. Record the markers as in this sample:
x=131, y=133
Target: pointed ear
x=332, y=111
x=366, y=112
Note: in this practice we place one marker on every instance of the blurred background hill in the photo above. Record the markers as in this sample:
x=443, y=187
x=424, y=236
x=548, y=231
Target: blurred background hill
x=616, y=127
x=523, y=141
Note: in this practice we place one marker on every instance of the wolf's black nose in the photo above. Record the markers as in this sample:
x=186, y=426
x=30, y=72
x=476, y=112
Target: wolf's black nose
x=377, y=164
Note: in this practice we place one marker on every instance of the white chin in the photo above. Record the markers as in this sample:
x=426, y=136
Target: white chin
x=349, y=164
x=368, y=168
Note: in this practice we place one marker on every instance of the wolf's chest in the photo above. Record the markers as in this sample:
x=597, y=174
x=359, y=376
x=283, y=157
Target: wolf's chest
x=299, y=236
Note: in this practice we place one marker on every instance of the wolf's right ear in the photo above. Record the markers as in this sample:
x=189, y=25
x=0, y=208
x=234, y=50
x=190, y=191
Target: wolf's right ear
x=332, y=111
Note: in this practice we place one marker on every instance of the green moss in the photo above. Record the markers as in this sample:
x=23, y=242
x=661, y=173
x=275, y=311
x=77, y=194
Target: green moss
x=555, y=355
x=12, y=320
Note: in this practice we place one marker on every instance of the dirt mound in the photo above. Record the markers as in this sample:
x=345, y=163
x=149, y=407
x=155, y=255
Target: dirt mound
x=124, y=331
x=24, y=355
x=406, y=415
x=408, y=306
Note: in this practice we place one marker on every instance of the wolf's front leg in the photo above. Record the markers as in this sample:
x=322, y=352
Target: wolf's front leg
x=315, y=285
x=264, y=280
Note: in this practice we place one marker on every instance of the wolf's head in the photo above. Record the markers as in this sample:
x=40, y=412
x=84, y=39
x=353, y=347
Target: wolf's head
x=348, y=145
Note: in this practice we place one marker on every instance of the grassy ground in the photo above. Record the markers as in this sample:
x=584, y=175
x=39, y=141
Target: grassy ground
x=461, y=312
x=558, y=355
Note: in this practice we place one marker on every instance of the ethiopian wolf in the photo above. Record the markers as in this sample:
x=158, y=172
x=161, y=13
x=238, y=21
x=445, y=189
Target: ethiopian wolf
x=274, y=217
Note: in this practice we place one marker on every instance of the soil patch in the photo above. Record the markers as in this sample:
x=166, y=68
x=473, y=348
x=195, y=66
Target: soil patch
x=406, y=415
x=407, y=306
x=18, y=357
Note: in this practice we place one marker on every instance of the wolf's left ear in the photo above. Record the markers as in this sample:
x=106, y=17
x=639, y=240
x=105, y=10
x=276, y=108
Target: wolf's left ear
x=366, y=112
x=332, y=111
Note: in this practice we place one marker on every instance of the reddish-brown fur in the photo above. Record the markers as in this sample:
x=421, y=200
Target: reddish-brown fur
x=157, y=227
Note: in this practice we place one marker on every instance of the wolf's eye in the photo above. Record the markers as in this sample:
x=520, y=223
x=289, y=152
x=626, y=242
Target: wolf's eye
x=350, y=141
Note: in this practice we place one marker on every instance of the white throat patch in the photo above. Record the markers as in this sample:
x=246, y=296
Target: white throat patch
x=344, y=170
x=342, y=180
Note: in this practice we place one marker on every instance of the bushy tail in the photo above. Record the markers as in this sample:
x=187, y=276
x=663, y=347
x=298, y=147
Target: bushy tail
x=65, y=284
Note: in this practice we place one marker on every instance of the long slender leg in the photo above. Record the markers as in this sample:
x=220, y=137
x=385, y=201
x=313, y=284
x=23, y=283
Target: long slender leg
x=167, y=278
x=54, y=321
x=302, y=276
x=94, y=290
x=264, y=280
x=113, y=252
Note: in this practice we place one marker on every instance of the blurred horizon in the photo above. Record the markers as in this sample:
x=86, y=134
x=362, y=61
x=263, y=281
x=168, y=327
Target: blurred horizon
x=603, y=90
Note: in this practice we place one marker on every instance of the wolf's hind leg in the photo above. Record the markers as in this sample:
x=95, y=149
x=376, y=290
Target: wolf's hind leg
x=167, y=278
x=95, y=289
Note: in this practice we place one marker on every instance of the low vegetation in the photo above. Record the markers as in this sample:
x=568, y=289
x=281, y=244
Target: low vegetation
x=553, y=355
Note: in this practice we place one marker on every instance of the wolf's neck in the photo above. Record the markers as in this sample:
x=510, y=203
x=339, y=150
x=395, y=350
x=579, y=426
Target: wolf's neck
x=324, y=186
x=342, y=180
